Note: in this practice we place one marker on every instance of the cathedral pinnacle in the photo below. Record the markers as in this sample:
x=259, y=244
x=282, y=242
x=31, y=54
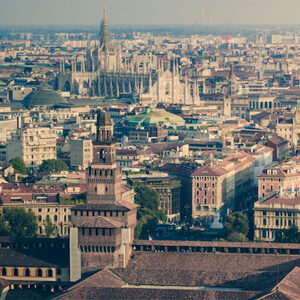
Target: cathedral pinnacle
x=104, y=32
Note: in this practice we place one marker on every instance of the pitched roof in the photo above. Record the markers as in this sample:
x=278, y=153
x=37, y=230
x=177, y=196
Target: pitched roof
x=290, y=284
x=277, y=140
x=105, y=206
x=98, y=222
x=103, y=278
x=33, y=258
x=209, y=171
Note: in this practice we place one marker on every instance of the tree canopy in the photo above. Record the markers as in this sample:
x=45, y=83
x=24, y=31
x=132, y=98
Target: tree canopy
x=49, y=227
x=290, y=235
x=148, y=214
x=53, y=165
x=236, y=227
x=19, y=165
x=17, y=222
x=146, y=197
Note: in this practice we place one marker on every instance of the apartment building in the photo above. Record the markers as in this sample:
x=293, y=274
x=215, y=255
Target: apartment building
x=276, y=212
x=226, y=184
x=278, y=179
x=32, y=143
x=81, y=153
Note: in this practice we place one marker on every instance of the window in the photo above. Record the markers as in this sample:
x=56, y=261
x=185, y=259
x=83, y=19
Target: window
x=50, y=273
x=264, y=222
x=55, y=218
x=264, y=213
x=27, y=272
x=40, y=218
x=16, y=272
x=4, y=272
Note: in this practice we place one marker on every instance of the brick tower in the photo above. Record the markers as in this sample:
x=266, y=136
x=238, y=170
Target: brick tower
x=106, y=222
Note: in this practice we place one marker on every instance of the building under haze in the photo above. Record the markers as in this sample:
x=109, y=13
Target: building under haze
x=103, y=71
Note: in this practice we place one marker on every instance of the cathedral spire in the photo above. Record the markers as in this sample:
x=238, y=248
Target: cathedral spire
x=104, y=32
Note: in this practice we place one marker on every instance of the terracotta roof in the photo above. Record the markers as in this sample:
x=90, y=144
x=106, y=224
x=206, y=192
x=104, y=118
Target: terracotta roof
x=104, y=206
x=98, y=222
x=150, y=293
x=103, y=278
x=280, y=172
x=277, y=140
x=33, y=258
x=209, y=171
x=290, y=285
x=278, y=200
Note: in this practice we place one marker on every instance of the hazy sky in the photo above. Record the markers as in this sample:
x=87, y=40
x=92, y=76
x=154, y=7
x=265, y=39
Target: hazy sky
x=149, y=12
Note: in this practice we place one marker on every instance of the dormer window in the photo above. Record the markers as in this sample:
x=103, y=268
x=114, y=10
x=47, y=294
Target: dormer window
x=269, y=172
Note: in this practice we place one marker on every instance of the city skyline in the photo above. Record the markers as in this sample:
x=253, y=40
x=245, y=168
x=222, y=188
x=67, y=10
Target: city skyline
x=146, y=12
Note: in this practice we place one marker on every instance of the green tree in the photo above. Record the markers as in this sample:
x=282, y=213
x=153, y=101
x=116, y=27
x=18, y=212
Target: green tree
x=237, y=237
x=236, y=223
x=3, y=227
x=146, y=198
x=148, y=214
x=20, y=223
x=49, y=227
x=290, y=235
x=19, y=165
x=53, y=165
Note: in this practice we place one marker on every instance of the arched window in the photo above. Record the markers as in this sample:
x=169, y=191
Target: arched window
x=55, y=218
x=40, y=218
x=50, y=273
x=4, y=272
x=39, y=273
x=27, y=272
x=167, y=89
x=16, y=272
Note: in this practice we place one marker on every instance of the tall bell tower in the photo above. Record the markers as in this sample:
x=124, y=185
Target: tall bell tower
x=103, y=227
x=104, y=176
